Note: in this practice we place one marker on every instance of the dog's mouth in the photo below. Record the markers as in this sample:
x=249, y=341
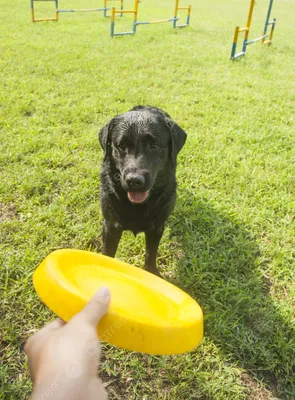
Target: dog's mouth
x=138, y=197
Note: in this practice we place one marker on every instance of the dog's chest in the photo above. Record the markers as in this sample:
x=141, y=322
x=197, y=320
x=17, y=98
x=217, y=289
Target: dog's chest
x=141, y=218
x=137, y=219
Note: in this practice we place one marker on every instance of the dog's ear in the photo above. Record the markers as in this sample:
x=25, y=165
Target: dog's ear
x=105, y=135
x=178, y=137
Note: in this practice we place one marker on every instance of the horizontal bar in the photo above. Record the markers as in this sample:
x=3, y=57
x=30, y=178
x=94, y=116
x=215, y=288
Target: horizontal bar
x=242, y=53
x=243, y=29
x=125, y=11
x=183, y=8
x=43, y=0
x=267, y=42
x=123, y=33
x=159, y=21
x=83, y=10
x=44, y=19
x=271, y=22
x=181, y=26
x=256, y=40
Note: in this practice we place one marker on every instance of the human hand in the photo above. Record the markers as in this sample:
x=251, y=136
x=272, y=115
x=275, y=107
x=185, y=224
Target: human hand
x=63, y=357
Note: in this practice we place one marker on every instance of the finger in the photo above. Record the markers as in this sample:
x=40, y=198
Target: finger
x=95, y=309
x=51, y=326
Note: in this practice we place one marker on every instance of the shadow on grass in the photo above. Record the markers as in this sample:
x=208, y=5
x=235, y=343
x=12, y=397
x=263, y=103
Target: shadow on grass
x=219, y=267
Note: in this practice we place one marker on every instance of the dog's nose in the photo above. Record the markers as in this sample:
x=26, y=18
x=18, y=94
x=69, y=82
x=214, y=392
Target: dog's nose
x=134, y=181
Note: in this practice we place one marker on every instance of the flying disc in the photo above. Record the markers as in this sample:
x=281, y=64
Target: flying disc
x=146, y=314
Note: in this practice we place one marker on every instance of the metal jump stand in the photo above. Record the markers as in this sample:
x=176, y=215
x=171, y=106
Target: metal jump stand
x=117, y=12
x=44, y=19
x=246, y=42
x=159, y=21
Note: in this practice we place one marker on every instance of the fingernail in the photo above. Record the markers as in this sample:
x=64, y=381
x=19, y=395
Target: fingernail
x=104, y=292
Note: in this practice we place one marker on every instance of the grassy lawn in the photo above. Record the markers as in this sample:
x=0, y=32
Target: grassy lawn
x=230, y=242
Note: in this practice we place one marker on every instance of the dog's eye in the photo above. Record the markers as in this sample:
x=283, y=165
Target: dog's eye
x=122, y=146
x=154, y=146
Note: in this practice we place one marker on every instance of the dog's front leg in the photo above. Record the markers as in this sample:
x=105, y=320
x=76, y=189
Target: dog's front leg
x=152, y=238
x=111, y=236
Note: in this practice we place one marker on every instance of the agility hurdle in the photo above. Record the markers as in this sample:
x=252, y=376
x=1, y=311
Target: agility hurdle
x=176, y=9
x=43, y=19
x=246, y=42
x=136, y=22
x=58, y=11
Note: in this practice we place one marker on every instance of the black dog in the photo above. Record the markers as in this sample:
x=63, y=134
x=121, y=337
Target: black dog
x=138, y=184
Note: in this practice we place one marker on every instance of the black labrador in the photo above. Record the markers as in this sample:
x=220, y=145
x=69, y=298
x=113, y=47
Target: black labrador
x=138, y=184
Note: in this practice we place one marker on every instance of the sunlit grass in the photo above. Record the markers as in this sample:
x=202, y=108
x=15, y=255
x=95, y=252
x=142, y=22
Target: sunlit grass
x=230, y=242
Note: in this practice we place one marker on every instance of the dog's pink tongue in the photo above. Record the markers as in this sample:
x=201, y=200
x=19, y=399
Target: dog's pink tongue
x=137, y=197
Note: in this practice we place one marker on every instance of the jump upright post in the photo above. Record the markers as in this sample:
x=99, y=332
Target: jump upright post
x=174, y=19
x=246, y=42
x=176, y=9
x=267, y=23
x=43, y=19
x=113, y=18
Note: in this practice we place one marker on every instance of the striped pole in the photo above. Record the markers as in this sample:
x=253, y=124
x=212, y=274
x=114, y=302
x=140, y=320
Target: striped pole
x=188, y=15
x=175, y=12
x=44, y=19
x=246, y=35
x=122, y=7
x=113, y=22
x=250, y=14
x=135, y=15
x=32, y=11
x=56, y=10
x=267, y=17
x=268, y=22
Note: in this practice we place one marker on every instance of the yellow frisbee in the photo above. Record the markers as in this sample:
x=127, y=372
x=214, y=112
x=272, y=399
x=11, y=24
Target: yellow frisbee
x=146, y=313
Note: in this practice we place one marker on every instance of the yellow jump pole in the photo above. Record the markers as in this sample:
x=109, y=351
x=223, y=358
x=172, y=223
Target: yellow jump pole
x=44, y=19
x=113, y=18
x=56, y=10
x=113, y=15
x=32, y=11
x=248, y=24
x=175, y=18
x=175, y=13
x=135, y=15
x=239, y=30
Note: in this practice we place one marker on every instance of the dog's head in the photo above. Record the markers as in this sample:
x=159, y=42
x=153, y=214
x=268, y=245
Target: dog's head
x=140, y=144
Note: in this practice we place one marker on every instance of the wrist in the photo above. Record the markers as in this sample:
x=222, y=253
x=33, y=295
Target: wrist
x=60, y=388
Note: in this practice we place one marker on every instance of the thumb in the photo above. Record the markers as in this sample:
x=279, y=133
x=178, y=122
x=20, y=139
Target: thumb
x=95, y=309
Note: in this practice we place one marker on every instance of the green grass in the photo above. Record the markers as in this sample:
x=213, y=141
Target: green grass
x=230, y=241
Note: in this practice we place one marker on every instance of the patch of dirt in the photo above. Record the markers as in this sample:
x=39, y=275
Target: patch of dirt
x=256, y=390
x=7, y=211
